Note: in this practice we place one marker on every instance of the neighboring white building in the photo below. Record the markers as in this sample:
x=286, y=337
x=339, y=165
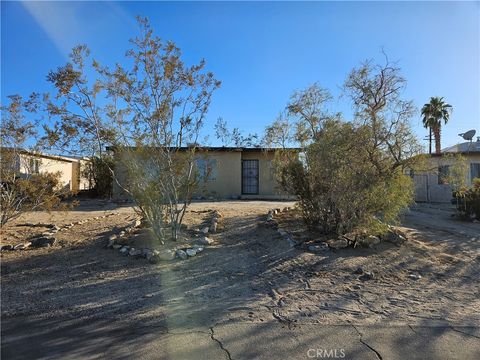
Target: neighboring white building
x=431, y=187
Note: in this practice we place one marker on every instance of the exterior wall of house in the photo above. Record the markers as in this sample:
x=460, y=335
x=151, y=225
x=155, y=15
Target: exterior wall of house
x=75, y=182
x=227, y=177
x=427, y=187
x=84, y=182
x=224, y=180
x=50, y=165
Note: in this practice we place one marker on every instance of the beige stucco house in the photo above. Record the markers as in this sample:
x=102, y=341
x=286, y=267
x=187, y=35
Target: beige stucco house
x=233, y=173
x=29, y=162
x=431, y=186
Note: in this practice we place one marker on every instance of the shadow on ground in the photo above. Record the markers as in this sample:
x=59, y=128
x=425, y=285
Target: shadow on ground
x=248, y=296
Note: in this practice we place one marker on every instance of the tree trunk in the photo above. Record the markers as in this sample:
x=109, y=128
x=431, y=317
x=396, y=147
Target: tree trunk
x=436, y=133
x=430, y=141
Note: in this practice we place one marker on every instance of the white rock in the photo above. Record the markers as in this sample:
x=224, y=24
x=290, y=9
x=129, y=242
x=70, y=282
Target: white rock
x=124, y=249
x=117, y=246
x=22, y=246
x=166, y=255
x=112, y=237
x=198, y=248
x=181, y=254
x=204, y=230
x=318, y=248
x=191, y=252
x=205, y=241
x=137, y=223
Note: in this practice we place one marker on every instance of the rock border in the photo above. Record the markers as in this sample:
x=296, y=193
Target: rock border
x=394, y=236
x=155, y=256
x=270, y=221
x=213, y=226
x=47, y=239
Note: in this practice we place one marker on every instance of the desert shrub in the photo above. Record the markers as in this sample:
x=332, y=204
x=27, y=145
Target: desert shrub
x=468, y=201
x=23, y=185
x=154, y=106
x=340, y=188
x=35, y=192
x=99, y=173
x=349, y=176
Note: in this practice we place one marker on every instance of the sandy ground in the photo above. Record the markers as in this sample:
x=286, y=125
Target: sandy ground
x=250, y=275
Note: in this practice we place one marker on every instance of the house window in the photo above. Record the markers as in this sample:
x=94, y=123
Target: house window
x=207, y=169
x=34, y=166
x=443, y=172
x=474, y=171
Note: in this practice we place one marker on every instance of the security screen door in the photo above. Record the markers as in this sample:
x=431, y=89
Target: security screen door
x=250, y=177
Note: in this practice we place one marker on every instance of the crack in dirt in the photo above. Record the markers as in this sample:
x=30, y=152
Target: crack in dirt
x=282, y=319
x=411, y=328
x=212, y=336
x=465, y=333
x=368, y=346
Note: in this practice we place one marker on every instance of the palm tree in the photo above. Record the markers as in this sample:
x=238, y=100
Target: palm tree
x=433, y=113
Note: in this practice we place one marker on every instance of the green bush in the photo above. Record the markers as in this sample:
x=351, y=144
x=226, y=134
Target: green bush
x=342, y=185
x=99, y=172
x=468, y=201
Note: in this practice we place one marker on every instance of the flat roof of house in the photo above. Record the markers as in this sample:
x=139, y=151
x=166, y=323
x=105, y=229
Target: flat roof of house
x=43, y=155
x=226, y=148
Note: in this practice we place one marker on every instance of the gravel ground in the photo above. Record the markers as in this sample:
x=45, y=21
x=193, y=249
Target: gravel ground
x=250, y=274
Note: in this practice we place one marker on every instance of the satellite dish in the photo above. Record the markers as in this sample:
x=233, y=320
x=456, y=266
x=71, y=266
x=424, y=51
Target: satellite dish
x=468, y=135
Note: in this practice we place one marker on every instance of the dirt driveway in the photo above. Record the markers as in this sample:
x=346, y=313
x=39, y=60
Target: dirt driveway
x=80, y=300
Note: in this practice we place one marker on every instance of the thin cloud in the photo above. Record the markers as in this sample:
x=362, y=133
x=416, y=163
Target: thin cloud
x=65, y=26
x=59, y=22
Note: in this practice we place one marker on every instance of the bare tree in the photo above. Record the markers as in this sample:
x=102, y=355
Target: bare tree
x=280, y=134
x=375, y=91
x=23, y=186
x=80, y=123
x=235, y=136
x=155, y=110
x=309, y=108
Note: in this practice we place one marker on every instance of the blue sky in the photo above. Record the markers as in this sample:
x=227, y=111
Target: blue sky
x=263, y=51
